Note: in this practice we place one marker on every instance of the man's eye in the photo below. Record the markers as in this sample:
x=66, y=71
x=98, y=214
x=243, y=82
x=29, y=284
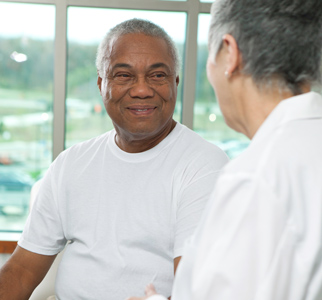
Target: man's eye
x=122, y=76
x=158, y=76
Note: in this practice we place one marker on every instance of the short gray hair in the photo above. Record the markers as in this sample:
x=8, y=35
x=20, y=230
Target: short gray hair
x=135, y=26
x=280, y=40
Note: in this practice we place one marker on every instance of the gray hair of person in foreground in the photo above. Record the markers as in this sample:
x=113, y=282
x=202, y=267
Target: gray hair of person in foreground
x=280, y=40
x=134, y=26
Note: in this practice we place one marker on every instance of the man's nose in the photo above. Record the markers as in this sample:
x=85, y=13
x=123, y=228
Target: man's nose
x=141, y=89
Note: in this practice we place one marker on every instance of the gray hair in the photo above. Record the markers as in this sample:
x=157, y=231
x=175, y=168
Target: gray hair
x=135, y=26
x=280, y=40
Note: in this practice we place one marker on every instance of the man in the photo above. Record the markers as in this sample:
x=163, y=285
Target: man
x=127, y=200
x=262, y=236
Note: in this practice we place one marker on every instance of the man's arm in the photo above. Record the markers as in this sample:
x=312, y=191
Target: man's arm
x=22, y=273
x=176, y=263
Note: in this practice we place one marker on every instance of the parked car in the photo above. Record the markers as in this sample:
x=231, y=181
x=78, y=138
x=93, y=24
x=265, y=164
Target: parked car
x=15, y=187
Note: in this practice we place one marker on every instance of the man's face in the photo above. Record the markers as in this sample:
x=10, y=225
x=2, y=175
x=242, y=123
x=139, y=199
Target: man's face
x=139, y=87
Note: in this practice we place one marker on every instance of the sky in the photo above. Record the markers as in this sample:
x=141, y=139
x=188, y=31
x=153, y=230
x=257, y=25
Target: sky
x=86, y=25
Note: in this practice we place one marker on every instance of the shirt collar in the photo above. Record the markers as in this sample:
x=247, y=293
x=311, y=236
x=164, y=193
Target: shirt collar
x=304, y=106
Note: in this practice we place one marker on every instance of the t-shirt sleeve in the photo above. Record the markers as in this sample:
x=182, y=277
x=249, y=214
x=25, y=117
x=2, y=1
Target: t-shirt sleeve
x=43, y=233
x=194, y=196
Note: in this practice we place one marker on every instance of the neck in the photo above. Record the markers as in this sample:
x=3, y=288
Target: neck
x=256, y=105
x=136, y=143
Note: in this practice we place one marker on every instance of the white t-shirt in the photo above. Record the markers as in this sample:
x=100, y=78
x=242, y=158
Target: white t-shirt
x=126, y=215
x=261, y=238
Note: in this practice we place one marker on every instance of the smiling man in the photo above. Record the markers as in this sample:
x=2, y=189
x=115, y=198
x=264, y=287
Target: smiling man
x=138, y=83
x=127, y=200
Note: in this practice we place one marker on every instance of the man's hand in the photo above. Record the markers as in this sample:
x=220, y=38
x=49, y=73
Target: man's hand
x=149, y=291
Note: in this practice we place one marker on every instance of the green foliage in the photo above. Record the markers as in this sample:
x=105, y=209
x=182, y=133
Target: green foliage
x=203, y=89
x=35, y=73
x=81, y=71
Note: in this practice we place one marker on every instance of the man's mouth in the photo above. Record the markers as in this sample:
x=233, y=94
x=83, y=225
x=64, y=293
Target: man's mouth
x=137, y=109
x=142, y=110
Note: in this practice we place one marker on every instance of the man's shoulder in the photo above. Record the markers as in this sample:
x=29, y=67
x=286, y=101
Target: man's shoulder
x=192, y=141
x=195, y=150
x=85, y=147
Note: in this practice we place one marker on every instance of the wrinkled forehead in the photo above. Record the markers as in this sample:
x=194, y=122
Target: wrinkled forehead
x=138, y=46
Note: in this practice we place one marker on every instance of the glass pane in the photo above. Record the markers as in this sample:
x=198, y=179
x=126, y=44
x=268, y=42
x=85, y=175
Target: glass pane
x=26, y=97
x=86, y=116
x=208, y=120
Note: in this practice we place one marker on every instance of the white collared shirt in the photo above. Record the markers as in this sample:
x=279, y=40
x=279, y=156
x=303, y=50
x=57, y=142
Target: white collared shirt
x=261, y=238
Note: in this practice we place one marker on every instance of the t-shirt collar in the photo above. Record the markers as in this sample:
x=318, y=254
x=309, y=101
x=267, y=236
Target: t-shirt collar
x=146, y=155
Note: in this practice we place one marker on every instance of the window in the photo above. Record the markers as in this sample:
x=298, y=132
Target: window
x=26, y=100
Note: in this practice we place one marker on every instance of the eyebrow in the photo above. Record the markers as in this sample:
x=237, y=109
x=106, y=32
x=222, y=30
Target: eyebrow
x=154, y=66
x=121, y=65
x=159, y=65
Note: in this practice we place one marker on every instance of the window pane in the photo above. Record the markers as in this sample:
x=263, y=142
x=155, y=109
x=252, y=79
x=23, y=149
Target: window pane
x=86, y=115
x=208, y=120
x=26, y=97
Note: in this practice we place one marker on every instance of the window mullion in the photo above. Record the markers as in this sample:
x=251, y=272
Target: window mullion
x=60, y=78
x=190, y=64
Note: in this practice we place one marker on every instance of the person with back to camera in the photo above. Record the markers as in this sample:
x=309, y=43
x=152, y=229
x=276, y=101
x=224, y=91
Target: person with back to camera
x=126, y=200
x=261, y=235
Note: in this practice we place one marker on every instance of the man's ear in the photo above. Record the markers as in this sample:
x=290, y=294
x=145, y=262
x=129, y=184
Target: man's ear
x=99, y=83
x=233, y=58
x=177, y=80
